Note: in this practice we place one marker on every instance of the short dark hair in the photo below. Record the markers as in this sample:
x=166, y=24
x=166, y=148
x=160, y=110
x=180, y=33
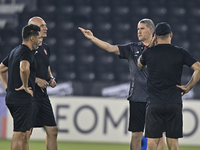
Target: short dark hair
x=30, y=30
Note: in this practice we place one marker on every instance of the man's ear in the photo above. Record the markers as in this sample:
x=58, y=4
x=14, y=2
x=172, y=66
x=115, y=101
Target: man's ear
x=171, y=34
x=155, y=36
x=152, y=30
x=31, y=38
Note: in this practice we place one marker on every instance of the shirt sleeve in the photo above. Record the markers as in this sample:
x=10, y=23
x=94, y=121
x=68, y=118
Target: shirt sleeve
x=27, y=55
x=5, y=61
x=189, y=60
x=124, y=51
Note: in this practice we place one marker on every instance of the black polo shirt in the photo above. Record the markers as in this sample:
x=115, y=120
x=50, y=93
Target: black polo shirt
x=12, y=61
x=165, y=64
x=42, y=56
x=138, y=77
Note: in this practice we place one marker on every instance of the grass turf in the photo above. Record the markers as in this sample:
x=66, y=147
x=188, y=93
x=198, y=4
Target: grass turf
x=40, y=145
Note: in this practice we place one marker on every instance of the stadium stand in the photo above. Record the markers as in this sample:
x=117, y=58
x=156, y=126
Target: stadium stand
x=76, y=59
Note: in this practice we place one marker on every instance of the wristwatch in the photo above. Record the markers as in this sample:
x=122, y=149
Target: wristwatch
x=52, y=78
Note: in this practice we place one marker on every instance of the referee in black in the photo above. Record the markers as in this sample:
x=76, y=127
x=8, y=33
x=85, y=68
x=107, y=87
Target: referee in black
x=138, y=78
x=165, y=63
x=17, y=74
x=43, y=113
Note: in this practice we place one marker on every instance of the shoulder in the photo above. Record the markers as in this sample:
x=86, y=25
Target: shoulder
x=177, y=47
x=24, y=49
x=45, y=45
x=131, y=44
x=181, y=49
x=150, y=49
x=136, y=44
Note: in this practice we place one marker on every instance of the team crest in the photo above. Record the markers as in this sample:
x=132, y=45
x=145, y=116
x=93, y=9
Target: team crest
x=45, y=51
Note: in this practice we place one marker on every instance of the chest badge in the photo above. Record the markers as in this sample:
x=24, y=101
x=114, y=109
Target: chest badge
x=136, y=53
x=36, y=52
x=45, y=51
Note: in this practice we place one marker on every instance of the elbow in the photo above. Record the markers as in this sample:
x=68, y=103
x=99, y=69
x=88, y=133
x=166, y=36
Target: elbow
x=114, y=49
x=141, y=67
x=111, y=50
x=24, y=70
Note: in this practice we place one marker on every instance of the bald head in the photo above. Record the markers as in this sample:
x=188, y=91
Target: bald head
x=41, y=23
x=35, y=20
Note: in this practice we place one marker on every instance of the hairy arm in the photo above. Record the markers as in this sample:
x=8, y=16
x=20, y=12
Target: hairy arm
x=101, y=44
x=194, y=79
x=24, y=74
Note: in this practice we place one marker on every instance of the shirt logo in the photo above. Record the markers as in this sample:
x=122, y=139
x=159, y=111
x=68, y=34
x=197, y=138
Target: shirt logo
x=136, y=53
x=36, y=52
x=45, y=51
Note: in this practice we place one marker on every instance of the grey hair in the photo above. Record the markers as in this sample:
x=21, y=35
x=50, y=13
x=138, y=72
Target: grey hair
x=148, y=22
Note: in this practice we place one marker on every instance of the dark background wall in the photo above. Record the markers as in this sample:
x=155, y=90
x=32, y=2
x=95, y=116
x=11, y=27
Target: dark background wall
x=74, y=58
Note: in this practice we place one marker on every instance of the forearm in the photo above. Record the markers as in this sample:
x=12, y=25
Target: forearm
x=105, y=46
x=37, y=80
x=4, y=79
x=194, y=79
x=24, y=74
x=49, y=73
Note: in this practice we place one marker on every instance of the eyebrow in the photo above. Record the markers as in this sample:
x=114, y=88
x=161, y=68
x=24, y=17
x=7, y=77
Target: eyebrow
x=43, y=25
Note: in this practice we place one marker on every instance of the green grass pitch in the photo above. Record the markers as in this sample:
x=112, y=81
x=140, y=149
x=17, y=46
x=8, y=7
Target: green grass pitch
x=40, y=145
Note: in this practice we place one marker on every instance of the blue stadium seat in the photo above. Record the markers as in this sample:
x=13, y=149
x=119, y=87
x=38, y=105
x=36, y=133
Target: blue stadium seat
x=67, y=41
x=73, y=57
x=48, y=9
x=83, y=10
x=105, y=76
x=86, y=76
x=121, y=10
x=86, y=59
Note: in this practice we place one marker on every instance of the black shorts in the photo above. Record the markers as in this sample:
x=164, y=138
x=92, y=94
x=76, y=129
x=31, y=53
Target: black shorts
x=168, y=116
x=22, y=116
x=137, y=116
x=43, y=113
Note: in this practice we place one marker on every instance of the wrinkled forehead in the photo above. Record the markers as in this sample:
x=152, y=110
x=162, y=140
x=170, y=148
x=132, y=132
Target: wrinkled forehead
x=142, y=25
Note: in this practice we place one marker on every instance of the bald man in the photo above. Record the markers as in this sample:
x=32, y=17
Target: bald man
x=43, y=113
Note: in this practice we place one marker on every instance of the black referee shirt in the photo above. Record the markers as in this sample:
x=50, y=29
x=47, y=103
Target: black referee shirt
x=138, y=77
x=12, y=61
x=165, y=64
x=42, y=55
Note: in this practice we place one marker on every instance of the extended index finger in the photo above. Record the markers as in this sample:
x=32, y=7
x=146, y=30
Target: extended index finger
x=82, y=30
